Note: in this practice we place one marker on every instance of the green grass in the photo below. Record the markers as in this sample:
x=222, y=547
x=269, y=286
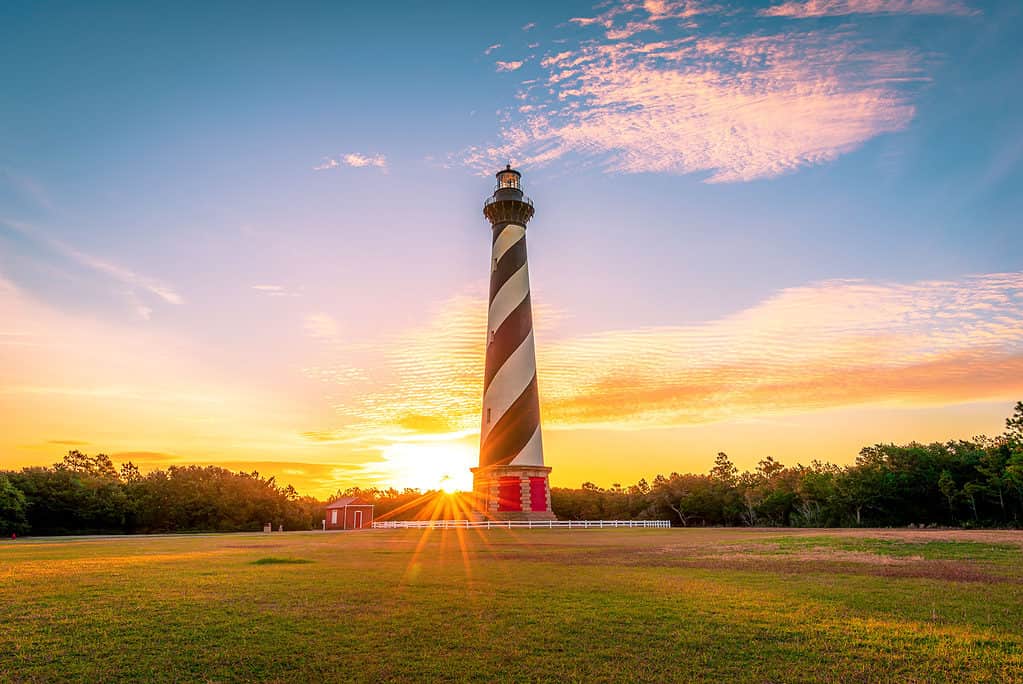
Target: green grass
x=507, y=605
x=933, y=550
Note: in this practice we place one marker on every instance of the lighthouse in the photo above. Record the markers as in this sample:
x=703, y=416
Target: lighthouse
x=511, y=482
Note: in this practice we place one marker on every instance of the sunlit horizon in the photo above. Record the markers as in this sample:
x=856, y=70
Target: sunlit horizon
x=785, y=229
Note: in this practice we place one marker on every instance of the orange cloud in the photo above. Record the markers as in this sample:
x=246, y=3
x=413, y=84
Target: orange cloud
x=831, y=344
x=142, y=457
x=425, y=380
x=377, y=407
x=837, y=343
x=365, y=414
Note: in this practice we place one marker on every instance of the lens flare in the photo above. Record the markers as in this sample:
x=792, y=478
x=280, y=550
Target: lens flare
x=426, y=466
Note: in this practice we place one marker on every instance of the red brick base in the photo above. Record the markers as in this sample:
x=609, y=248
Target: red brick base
x=495, y=492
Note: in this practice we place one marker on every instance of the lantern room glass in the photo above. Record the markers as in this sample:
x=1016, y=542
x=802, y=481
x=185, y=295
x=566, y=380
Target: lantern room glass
x=508, y=179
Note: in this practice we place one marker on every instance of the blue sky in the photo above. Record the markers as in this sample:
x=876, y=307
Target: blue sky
x=694, y=164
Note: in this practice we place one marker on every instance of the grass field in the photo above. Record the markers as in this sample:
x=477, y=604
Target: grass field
x=527, y=605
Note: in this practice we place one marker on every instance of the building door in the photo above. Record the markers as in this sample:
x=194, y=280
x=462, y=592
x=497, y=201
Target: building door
x=333, y=517
x=538, y=493
x=358, y=520
x=509, y=494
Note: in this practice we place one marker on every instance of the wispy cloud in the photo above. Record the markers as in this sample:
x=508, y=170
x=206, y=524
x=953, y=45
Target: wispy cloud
x=132, y=280
x=124, y=275
x=826, y=345
x=832, y=344
x=509, y=66
x=425, y=380
x=77, y=371
x=648, y=96
x=322, y=326
x=354, y=160
x=802, y=9
x=123, y=392
x=529, y=27
x=28, y=188
x=641, y=16
x=491, y=48
x=274, y=290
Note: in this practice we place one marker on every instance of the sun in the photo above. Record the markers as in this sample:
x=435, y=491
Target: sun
x=429, y=465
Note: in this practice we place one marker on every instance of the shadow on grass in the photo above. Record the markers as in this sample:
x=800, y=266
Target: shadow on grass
x=272, y=560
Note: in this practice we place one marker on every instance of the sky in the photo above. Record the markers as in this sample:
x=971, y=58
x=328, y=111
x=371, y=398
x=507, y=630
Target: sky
x=252, y=236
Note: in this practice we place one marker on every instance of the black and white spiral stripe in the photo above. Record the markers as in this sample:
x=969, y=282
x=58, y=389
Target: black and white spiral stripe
x=511, y=402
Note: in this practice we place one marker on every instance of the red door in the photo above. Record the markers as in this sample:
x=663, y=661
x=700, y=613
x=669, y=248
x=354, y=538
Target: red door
x=509, y=494
x=538, y=493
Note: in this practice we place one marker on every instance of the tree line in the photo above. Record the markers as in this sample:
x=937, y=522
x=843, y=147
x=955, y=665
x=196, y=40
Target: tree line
x=86, y=494
x=967, y=483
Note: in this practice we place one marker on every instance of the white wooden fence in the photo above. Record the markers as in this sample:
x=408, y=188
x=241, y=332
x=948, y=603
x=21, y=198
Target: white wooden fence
x=515, y=524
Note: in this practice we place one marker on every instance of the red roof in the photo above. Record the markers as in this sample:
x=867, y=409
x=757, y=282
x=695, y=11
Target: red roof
x=348, y=501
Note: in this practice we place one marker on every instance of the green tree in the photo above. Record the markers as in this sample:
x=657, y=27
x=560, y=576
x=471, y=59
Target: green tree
x=130, y=473
x=992, y=467
x=817, y=495
x=724, y=471
x=13, y=519
x=99, y=465
x=1014, y=424
x=691, y=498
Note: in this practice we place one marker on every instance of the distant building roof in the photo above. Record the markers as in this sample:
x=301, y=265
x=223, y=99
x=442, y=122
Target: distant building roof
x=348, y=501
